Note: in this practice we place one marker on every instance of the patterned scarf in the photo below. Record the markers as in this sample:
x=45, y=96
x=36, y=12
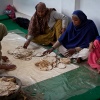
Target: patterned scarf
x=38, y=25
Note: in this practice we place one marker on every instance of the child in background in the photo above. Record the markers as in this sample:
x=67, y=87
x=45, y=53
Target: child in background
x=94, y=56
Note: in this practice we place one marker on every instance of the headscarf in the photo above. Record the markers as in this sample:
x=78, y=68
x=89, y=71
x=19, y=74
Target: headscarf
x=79, y=36
x=38, y=25
x=98, y=38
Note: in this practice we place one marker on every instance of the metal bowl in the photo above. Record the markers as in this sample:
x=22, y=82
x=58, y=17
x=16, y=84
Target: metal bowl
x=13, y=95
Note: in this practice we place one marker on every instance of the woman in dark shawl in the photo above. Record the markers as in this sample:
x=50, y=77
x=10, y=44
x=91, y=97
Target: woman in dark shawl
x=77, y=37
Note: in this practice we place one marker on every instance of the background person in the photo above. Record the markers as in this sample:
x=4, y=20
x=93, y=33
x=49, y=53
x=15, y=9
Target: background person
x=94, y=56
x=3, y=32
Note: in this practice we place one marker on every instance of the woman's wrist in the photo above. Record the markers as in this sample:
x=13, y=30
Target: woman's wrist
x=52, y=48
x=78, y=49
x=75, y=50
x=30, y=37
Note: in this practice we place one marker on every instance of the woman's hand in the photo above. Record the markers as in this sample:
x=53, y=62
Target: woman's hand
x=26, y=44
x=63, y=30
x=70, y=52
x=91, y=46
x=48, y=51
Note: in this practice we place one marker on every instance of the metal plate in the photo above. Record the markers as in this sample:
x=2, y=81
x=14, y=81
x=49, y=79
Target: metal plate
x=12, y=96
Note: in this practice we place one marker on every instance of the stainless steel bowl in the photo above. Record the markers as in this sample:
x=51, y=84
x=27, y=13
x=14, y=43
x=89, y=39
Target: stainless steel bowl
x=13, y=95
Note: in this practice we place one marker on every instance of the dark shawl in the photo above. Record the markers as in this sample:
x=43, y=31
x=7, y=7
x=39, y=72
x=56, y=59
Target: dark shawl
x=38, y=25
x=98, y=38
x=81, y=35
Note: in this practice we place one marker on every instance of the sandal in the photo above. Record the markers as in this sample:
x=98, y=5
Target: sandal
x=8, y=67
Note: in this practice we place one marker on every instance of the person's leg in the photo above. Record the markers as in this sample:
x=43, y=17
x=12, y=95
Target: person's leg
x=58, y=27
x=83, y=54
x=46, y=38
x=50, y=36
x=3, y=32
x=79, y=56
x=5, y=66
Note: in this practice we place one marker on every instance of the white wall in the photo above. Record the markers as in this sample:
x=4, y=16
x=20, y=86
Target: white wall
x=92, y=10
x=68, y=7
x=28, y=6
x=90, y=7
x=3, y=4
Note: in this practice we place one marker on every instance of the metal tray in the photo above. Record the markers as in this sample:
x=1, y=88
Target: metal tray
x=14, y=95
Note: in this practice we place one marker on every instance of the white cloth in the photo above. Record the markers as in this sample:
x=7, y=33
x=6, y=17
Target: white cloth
x=83, y=53
x=26, y=71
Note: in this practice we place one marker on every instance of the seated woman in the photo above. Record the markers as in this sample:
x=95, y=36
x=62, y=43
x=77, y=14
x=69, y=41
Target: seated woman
x=74, y=42
x=94, y=56
x=3, y=32
x=46, y=25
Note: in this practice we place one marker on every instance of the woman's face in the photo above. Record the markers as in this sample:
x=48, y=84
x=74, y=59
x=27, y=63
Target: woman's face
x=41, y=10
x=40, y=13
x=76, y=21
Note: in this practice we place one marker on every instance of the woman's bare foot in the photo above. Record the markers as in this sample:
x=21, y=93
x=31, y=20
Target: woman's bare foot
x=7, y=67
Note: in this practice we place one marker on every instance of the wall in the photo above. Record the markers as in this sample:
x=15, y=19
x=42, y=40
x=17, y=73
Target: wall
x=68, y=7
x=28, y=6
x=92, y=10
x=90, y=7
x=3, y=4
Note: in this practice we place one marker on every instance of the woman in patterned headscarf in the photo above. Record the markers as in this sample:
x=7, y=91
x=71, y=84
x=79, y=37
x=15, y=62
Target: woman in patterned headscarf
x=46, y=25
x=3, y=32
x=77, y=37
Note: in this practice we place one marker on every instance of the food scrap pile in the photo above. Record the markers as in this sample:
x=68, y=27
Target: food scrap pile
x=49, y=62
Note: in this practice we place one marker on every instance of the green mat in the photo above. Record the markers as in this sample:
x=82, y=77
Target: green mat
x=93, y=94
x=64, y=87
x=3, y=17
x=10, y=24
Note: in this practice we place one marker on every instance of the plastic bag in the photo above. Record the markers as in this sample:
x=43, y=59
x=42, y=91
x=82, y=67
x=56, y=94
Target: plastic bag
x=10, y=11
